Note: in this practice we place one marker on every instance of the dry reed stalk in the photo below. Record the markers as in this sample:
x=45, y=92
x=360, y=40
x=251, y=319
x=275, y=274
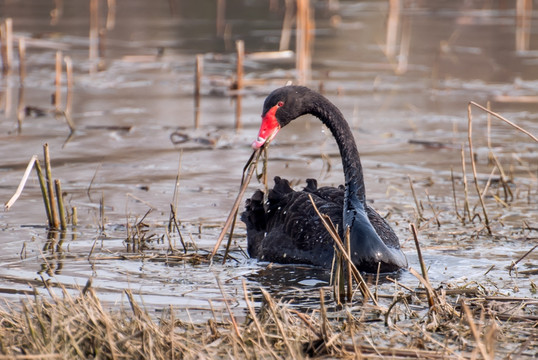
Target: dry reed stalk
x=474, y=331
x=173, y=220
x=488, y=127
x=272, y=309
x=393, y=22
x=251, y=166
x=240, y=58
x=473, y=166
x=44, y=191
x=521, y=258
x=521, y=99
x=94, y=35
x=58, y=82
x=329, y=226
x=435, y=214
x=454, y=196
x=57, y=12
x=498, y=116
x=61, y=206
x=232, y=317
x=21, y=113
x=264, y=169
x=25, y=176
x=3, y=46
x=466, y=209
x=69, y=97
x=7, y=45
x=405, y=45
x=111, y=14
x=199, y=69
x=349, y=273
x=323, y=314
x=523, y=24
x=257, y=324
x=430, y=292
x=22, y=60
x=240, y=49
x=305, y=25
x=102, y=212
x=504, y=182
x=221, y=18
x=74, y=216
x=8, y=95
x=417, y=204
x=101, y=48
x=175, y=195
x=285, y=35
x=50, y=187
x=421, y=261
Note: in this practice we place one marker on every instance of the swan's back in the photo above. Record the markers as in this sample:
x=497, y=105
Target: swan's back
x=287, y=229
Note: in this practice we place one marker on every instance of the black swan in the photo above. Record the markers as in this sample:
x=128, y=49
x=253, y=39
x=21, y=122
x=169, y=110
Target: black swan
x=286, y=228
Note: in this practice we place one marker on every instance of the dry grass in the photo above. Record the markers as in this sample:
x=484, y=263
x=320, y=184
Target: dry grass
x=462, y=323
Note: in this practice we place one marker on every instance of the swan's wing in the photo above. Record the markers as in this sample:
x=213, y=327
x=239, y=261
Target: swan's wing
x=289, y=230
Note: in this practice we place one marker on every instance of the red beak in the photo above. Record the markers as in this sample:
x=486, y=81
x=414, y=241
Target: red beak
x=268, y=128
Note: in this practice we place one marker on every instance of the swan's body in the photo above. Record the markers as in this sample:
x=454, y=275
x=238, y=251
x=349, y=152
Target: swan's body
x=286, y=228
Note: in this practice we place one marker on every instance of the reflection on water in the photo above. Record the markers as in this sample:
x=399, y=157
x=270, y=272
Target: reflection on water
x=402, y=75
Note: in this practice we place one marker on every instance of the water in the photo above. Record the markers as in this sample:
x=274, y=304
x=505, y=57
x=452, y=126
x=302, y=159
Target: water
x=125, y=116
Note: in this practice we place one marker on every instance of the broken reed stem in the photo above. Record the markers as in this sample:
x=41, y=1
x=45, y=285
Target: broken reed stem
x=22, y=183
x=50, y=188
x=58, y=82
x=199, y=70
x=44, y=191
x=251, y=165
x=473, y=165
x=61, y=206
x=22, y=60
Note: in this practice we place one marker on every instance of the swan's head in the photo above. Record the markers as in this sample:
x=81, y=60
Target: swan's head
x=280, y=107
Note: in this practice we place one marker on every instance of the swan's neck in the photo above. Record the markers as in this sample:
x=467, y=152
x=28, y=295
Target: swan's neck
x=351, y=163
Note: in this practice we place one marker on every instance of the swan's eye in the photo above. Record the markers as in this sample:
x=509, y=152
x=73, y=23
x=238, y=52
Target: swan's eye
x=280, y=103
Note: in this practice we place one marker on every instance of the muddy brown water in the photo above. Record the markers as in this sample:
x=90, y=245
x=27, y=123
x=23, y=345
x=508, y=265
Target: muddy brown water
x=409, y=122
